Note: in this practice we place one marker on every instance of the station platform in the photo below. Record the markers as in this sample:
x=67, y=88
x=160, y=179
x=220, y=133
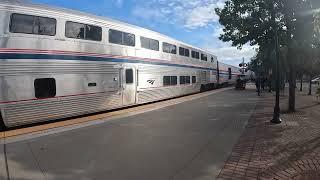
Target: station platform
x=184, y=138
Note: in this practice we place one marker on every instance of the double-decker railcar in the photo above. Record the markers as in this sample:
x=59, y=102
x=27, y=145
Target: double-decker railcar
x=57, y=63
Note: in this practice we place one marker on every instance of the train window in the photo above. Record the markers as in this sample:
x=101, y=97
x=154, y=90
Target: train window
x=75, y=30
x=229, y=71
x=181, y=51
x=122, y=38
x=169, y=48
x=170, y=80
x=28, y=24
x=166, y=80
x=194, y=79
x=92, y=84
x=184, y=52
x=45, y=26
x=148, y=43
x=182, y=80
x=45, y=88
x=204, y=57
x=129, y=76
x=93, y=33
x=129, y=39
x=154, y=44
x=83, y=31
x=174, y=80
x=115, y=36
x=187, y=52
x=187, y=79
x=195, y=54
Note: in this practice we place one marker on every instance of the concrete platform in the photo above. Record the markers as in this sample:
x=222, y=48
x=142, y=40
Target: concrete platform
x=190, y=140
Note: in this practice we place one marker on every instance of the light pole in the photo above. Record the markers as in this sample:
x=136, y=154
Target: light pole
x=276, y=114
x=259, y=78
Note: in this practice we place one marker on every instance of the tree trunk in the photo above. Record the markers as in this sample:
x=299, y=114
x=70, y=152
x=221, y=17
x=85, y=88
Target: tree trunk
x=292, y=90
x=310, y=86
x=301, y=83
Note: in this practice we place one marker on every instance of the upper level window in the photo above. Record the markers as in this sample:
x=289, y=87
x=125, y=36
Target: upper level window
x=212, y=60
x=184, y=52
x=195, y=55
x=83, y=31
x=204, y=57
x=122, y=38
x=169, y=48
x=148, y=43
x=28, y=24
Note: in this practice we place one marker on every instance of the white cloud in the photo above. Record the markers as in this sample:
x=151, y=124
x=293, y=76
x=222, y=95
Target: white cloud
x=232, y=55
x=147, y=13
x=201, y=16
x=217, y=32
x=193, y=15
x=225, y=52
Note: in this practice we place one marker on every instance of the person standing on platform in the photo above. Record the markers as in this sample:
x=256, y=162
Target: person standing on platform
x=258, y=85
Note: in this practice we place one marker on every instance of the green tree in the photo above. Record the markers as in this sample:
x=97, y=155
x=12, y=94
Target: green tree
x=250, y=21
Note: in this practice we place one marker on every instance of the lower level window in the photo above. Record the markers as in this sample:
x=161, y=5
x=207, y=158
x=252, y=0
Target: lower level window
x=187, y=79
x=174, y=80
x=45, y=88
x=194, y=79
x=184, y=79
x=170, y=80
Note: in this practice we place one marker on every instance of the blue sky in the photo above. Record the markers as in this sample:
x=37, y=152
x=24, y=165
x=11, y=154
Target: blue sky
x=190, y=21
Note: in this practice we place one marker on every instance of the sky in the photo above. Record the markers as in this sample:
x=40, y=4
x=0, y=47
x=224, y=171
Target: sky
x=190, y=21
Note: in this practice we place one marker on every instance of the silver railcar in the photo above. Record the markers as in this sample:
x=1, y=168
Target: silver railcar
x=57, y=63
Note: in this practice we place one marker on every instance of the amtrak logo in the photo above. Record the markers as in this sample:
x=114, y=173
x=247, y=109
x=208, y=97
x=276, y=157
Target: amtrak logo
x=151, y=81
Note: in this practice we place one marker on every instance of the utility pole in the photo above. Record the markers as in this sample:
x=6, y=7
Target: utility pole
x=276, y=114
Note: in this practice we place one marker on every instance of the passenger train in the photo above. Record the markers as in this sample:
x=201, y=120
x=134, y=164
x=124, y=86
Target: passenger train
x=57, y=63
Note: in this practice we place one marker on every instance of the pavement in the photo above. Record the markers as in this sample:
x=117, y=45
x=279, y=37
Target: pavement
x=189, y=140
x=290, y=150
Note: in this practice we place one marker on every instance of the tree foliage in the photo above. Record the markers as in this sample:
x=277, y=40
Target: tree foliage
x=254, y=22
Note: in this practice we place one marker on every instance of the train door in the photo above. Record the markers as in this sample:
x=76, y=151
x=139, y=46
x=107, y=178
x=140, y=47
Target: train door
x=129, y=85
x=204, y=77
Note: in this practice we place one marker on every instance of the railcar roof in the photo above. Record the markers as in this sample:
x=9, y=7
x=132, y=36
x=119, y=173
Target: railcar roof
x=28, y=4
